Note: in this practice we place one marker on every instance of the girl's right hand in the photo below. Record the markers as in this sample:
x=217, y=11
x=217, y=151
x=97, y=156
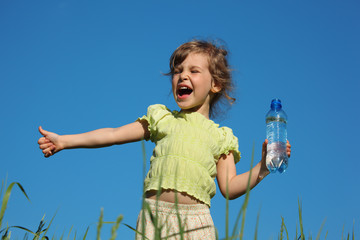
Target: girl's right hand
x=49, y=143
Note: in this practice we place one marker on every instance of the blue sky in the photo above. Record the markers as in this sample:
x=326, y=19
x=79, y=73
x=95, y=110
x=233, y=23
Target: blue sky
x=75, y=66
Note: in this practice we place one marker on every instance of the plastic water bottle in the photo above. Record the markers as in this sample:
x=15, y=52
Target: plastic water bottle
x=276, y=119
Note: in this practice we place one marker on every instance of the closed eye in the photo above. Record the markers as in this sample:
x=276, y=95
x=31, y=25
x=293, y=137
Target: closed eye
x=177, y=71
x=195, y=69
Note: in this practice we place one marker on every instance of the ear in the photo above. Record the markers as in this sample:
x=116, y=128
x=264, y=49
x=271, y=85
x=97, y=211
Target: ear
x=215, y=88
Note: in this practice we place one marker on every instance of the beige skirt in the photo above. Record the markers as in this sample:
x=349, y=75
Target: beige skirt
x=193, y=221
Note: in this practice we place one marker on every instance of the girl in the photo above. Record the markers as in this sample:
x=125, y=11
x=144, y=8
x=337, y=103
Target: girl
x=191, y=150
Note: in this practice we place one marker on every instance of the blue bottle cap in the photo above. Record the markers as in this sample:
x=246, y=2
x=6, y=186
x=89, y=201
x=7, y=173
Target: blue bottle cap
x=276, y=104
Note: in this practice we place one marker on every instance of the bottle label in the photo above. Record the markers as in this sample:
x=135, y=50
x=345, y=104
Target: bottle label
x=275, y=119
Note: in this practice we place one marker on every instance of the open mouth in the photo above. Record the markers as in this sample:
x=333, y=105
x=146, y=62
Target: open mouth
x=184, y=91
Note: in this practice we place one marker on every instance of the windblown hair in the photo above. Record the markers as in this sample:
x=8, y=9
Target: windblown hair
x=218, y=67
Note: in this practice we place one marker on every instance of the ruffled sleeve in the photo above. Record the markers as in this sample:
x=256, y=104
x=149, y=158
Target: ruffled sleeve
x=229, y=143
x=154, y=114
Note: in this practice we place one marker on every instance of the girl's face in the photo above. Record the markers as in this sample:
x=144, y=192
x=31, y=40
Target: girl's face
x=192, y=84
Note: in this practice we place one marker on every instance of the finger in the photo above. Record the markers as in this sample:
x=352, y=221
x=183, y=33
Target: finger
x=46, y=145
x=265, y=143
x=50, y=153
x=49, y=150
x=43, y=140
x=288, y=151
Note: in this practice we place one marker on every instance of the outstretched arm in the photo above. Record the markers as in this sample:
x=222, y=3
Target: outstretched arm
x=237, y=184
x=52, y=143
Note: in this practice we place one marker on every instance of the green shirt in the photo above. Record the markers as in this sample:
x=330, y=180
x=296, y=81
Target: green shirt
x=188, y=146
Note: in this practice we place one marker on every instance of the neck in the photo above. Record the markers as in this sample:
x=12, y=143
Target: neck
x=200, y=109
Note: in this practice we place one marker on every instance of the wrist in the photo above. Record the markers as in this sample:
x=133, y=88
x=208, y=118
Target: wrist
x=264, y=171
x=62, y=143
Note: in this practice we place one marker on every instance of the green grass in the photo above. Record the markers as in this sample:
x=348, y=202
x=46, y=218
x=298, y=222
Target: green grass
x=237, y=232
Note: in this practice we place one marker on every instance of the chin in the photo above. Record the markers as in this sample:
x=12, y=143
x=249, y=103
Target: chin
x=184, y=105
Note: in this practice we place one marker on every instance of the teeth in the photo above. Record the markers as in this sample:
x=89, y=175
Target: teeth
x=184, y=90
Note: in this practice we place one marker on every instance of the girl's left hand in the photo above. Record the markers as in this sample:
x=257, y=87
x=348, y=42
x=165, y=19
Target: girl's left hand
x=288, y=148
x=264, y=149
x=264, y=152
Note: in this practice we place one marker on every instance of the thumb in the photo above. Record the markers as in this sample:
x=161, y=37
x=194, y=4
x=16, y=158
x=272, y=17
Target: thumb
x=264, y=148
x=43, y=132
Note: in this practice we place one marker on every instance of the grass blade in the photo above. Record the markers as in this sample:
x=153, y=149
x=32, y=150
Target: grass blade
x=186, y=231
x=136, y=231
x=181, y=226
x=100, y=224
x=282, y=229
x=47, y=229
x=62, y=235
x=86, y=232
x=22, y=228
x=6, y=235
x=244, y=206
x=257, y=225
x=3, y=184
x=247, y=195
x=116, y=227
x=70, y=232
x=321, y=227
x=6, y=199
x=287, y=233
x=227, y=211
x=143, y=190
x=301, y=222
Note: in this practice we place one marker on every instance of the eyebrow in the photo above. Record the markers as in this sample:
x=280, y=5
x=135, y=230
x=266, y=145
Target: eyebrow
x=195, y=66
x=191, y=66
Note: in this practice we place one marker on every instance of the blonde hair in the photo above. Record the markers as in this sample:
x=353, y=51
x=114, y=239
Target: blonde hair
x=218, y=67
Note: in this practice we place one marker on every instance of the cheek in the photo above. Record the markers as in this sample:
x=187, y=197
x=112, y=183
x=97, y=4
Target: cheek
x=173, y=86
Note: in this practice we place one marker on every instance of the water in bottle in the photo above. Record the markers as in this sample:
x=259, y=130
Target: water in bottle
x=276, y=119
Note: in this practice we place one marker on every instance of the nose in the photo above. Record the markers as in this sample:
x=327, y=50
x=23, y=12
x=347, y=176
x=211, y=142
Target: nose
x=184, y=75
